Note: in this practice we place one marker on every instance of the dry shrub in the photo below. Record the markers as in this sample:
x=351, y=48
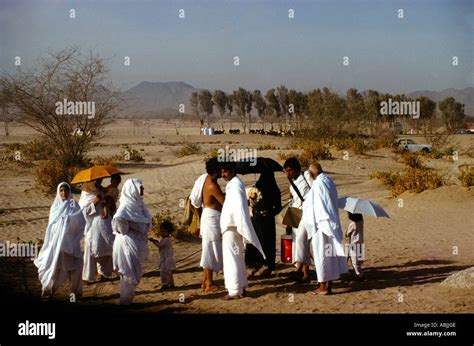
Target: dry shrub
x=103, y=160
x=52, y=172
x=314, y=150
x=267, y=146
x=411, y=179
x=165, y=215
x=130, y=154
x=25, y=154
x=188, y=149
x=466, y=177
x=211, y=154
x=412, y=160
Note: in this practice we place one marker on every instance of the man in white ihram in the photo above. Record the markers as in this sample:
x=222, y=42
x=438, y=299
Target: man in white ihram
x=321, y=220
x=236, y=229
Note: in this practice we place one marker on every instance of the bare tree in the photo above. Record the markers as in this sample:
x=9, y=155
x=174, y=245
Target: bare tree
x=69, y=76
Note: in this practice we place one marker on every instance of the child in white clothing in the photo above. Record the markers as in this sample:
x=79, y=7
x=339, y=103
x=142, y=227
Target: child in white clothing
x=165, y=245
x=355, y=232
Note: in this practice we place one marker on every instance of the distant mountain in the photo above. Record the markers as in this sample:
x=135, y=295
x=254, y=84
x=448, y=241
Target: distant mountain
x=151, y=99
x=465, y=96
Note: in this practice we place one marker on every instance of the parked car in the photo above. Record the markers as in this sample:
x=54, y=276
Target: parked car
x=410, y=145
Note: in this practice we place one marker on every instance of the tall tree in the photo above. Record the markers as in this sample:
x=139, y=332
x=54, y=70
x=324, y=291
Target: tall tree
x=206, y=104
x=241, y=101
x=452, y=113
x=220, y=99
x=248, y=107
x=260, y=105
x=282, y=94
x=273, y=105
x=372, y=108
x=194, y=101
x=427, y=110
x=230, y=108
x=355, y=108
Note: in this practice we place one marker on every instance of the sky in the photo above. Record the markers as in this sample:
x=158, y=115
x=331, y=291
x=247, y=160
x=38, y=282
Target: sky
x=385, y=52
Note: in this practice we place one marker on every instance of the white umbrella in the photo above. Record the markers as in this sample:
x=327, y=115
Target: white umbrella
x=361, y=206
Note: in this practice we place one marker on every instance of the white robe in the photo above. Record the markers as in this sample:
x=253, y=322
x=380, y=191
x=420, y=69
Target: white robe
x=60, y=257
x=196, y=193
x=210, y=231
x=131, y=224
x=355, y=232
x=300, y=245
x=237, y=230
x=98, y=239
x=321, y=220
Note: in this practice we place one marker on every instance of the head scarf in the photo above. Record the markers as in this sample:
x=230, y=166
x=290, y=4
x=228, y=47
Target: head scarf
x=132, y=207
x=88, y=194
x=59, y=207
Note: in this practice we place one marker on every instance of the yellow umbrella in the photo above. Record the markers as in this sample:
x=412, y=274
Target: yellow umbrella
x=94, y=173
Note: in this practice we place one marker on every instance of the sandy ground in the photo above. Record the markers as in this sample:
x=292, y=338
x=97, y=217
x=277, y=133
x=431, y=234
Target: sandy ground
x=407, y=256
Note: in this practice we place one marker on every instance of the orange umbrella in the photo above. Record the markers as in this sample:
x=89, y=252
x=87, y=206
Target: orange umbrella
x=94, y=173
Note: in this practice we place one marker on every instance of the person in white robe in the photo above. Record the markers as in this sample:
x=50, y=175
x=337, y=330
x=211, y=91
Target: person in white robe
x=131, y=224
x=206, y=193
x=301, y=246
x=355, y=232
x=237, y=230
x=98, y=234
x=60, y=258
x=321, y=220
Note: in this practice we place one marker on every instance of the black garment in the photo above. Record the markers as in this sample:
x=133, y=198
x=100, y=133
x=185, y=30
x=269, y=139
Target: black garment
x=265, y=225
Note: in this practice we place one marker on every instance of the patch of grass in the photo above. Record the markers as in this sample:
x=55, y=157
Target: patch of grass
x=103, y=160
x=130, y=154
x=267, y=146
x=188, y=149
x=411, y=179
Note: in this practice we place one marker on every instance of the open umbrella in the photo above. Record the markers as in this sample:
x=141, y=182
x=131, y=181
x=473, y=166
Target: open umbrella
x=361, y=206
x=94, y=173
x=263, y=164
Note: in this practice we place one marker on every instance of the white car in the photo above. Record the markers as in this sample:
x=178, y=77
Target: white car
x=410, y=145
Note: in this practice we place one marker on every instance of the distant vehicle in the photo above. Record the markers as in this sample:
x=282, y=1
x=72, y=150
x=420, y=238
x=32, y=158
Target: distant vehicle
x=410, y=145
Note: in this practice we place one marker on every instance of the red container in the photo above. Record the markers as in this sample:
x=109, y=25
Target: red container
x=286, y=248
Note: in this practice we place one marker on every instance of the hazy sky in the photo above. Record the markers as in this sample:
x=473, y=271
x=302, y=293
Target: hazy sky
x=385, y=53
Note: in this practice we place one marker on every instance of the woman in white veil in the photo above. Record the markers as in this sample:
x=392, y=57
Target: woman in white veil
x=131, y=224
x=60, y=258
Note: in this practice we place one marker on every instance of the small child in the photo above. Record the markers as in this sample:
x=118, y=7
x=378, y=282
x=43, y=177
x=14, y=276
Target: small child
x=165, y=246
x=355, y=232
x=111, y=194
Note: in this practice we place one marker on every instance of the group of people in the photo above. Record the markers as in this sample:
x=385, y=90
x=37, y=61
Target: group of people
x=237, y=240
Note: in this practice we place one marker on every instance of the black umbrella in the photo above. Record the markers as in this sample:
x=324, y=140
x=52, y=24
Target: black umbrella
x=263, y=164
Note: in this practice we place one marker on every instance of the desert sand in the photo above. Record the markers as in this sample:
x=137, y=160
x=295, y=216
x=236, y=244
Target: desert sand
x=407, y=256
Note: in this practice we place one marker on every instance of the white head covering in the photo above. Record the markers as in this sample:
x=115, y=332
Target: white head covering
x=132, y=207
x=88, y=194
x=60, y=207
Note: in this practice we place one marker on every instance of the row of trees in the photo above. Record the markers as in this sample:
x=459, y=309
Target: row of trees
x=320, y=109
